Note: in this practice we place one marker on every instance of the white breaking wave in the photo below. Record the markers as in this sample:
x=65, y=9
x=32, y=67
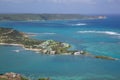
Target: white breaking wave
x=100, y=32
x=79, y=24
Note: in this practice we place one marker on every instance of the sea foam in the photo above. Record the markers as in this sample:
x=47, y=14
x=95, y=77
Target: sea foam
x=79, y=24
x=101, y=32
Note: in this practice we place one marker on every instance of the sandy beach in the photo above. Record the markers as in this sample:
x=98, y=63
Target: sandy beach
x=20, y=45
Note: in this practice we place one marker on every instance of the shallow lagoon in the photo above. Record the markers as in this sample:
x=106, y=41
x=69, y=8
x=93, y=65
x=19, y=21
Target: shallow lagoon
x=70, y=67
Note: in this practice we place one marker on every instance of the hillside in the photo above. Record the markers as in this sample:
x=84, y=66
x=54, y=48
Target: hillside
x=10, y=36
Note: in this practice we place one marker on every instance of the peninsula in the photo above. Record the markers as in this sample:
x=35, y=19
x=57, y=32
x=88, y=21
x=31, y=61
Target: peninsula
x=9, y=36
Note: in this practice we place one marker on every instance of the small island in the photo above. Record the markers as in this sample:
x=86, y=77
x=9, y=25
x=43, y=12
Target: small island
x=9, y=36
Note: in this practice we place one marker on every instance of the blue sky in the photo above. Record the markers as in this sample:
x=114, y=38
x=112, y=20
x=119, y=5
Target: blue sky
x=61, y=6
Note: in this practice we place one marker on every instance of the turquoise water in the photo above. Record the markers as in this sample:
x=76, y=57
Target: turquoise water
x=99, y=37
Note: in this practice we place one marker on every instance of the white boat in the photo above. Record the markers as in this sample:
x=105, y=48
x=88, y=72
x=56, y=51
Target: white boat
x=16, y=51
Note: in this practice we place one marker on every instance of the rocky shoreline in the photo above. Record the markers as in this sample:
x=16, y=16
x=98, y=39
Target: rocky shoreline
x=15, y=76
x=12, y=76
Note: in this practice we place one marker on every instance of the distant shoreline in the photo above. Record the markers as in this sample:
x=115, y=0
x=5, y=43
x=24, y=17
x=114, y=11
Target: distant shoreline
x=48, y=20
x=46, y=17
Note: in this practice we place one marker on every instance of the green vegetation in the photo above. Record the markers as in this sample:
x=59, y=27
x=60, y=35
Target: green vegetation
x=31, y=17
x=9, y=35
x=24, y=78
x=44, y=79
x=3, y=79
x=105, y=57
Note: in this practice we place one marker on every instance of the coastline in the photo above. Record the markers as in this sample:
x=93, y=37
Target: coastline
x=20, y=45
x=77, y=53
x=30, y=49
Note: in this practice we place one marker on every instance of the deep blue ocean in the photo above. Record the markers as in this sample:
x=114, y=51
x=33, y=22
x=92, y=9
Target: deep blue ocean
x=98, y=36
